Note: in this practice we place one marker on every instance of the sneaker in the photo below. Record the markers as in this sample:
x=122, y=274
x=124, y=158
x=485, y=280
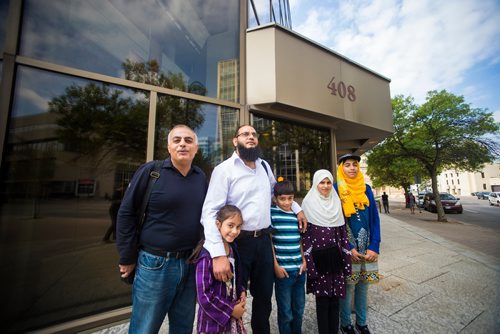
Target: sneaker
x=362, y=329
x=347, y=330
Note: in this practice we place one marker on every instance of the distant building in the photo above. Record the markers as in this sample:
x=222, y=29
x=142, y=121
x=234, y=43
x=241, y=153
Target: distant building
x=465, y=183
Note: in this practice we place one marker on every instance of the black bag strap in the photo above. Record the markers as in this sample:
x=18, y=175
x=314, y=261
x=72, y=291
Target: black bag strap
x=154, y=175
x=265, y=167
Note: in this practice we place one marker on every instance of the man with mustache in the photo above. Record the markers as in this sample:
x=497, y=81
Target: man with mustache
x=164, y=282
x=246, y=181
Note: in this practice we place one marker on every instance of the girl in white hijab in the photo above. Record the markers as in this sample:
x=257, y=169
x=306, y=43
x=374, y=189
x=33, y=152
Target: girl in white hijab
x=326, y=249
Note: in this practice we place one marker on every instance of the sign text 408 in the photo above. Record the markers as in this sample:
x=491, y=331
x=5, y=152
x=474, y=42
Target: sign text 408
x=341, y=90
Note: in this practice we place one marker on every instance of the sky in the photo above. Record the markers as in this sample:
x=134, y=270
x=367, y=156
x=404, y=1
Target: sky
x=421, y=45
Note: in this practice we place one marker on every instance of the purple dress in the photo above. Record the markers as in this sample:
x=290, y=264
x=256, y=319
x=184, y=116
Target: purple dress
x=216, y=299
x=318, y=237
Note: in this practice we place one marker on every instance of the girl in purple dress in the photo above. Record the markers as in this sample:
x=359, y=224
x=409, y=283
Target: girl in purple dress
x=326, y=249
x=221, y=304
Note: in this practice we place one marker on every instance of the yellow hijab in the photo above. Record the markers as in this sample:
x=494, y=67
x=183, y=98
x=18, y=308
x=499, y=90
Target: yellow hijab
x=351, y=191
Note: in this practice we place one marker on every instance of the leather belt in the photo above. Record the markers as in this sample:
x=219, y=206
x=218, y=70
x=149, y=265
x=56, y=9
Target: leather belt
x=255, y=234
x=177, y=255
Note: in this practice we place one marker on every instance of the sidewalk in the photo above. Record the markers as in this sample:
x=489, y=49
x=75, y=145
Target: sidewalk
x=428, y=285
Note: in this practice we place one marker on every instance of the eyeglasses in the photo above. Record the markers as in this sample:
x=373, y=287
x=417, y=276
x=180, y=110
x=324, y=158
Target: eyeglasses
x=248, y=134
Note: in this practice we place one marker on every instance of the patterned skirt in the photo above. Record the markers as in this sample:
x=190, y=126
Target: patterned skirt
x=363, y=271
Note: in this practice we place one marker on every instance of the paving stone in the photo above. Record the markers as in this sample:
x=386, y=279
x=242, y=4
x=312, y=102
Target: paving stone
x=429, y=285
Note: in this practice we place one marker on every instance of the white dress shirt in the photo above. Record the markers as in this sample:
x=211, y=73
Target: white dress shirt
x=233, y=182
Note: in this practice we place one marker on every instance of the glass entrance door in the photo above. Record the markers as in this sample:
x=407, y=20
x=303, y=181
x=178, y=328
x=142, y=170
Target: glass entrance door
x=294, y=151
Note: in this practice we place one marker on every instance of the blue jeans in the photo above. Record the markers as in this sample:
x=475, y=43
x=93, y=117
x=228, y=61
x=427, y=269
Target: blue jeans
x=360, y=292
x=163, y=286
x=290, y=297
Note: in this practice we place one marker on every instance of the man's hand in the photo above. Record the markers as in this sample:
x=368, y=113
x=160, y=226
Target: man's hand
x=222, y=268
x=126, y=269
x=302, y=221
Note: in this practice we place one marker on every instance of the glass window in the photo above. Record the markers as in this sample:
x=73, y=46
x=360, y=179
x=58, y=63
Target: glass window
x=71, y=150
x=294, y=151
x=214, y=126
x=144, y=41
x=4, y=9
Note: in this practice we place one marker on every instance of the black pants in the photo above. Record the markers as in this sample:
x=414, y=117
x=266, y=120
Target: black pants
x=386, y=207
x=327, y=314
x=257, y=264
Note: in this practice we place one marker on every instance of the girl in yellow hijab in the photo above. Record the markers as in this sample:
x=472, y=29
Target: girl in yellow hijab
x=363, y=231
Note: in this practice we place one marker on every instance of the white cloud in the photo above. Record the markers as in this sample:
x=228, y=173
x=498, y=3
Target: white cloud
x=35, y=99
x=421, y=45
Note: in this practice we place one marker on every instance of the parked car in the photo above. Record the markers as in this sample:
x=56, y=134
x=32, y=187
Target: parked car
x=494, y=198
x=482, y=194
x=450, y=203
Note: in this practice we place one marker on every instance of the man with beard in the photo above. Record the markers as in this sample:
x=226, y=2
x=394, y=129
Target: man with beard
x=246, y=181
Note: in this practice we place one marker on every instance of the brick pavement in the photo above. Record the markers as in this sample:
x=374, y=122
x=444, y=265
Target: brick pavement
x=429, y=284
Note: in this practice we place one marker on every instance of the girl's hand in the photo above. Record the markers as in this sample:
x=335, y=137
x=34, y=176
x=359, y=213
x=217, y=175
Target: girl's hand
x=371, y=256
x=280, y=272
x=357, y=256
x=243, y=296
x=239, y=309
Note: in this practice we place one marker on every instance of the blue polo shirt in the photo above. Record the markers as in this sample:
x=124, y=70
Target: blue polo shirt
x=172, y=216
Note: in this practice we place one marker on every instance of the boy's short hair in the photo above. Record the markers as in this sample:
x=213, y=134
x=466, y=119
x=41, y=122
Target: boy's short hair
x=283, y=188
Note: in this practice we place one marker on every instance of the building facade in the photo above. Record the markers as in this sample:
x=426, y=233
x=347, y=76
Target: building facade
x=460, y=183
x=89, y=90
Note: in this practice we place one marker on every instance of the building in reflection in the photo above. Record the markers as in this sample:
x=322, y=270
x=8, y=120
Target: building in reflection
x=227, y=89
x=89, y=91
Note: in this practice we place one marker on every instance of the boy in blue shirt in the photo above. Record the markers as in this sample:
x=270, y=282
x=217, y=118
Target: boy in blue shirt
x=289, y=262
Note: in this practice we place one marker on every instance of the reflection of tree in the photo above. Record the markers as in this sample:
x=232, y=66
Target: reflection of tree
x=311, y=144
x=96, y=121
x=101, y=123
x=170, y=110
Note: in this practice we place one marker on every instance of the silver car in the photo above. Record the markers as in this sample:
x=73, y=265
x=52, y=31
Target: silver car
x=494, y=198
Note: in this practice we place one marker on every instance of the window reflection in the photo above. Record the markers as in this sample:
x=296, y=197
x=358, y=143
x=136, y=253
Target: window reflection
x=72, y=148
x=214, y=126
x=186, y=38
x=4, y=8
x=294, y=151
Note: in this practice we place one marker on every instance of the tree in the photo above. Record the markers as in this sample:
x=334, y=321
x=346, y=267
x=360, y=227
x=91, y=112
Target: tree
x=400, y=172
x=444, y=132
x=96, y=121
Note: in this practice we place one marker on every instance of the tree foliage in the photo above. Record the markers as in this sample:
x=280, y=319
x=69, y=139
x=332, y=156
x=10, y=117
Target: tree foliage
x=95, y=120
x=444, y=132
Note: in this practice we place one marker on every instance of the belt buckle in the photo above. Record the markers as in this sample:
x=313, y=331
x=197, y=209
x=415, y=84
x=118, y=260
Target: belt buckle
x=256, y=233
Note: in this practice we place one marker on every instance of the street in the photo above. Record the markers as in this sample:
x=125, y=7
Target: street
x=478, y=212
x=478, y=227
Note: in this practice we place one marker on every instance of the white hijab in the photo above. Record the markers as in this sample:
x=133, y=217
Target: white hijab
x=321, y=210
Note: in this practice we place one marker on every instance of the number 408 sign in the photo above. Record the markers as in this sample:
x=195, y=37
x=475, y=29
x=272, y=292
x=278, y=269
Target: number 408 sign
x=342, y=90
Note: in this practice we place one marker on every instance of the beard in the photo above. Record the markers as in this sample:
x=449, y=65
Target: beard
x=249, y=154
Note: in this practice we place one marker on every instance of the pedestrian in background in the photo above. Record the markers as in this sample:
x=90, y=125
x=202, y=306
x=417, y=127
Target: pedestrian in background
x=326, y=249
x=164, y=282
x=385, y=202
x=412, y=202
x=363, y=228
x=289, y=262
